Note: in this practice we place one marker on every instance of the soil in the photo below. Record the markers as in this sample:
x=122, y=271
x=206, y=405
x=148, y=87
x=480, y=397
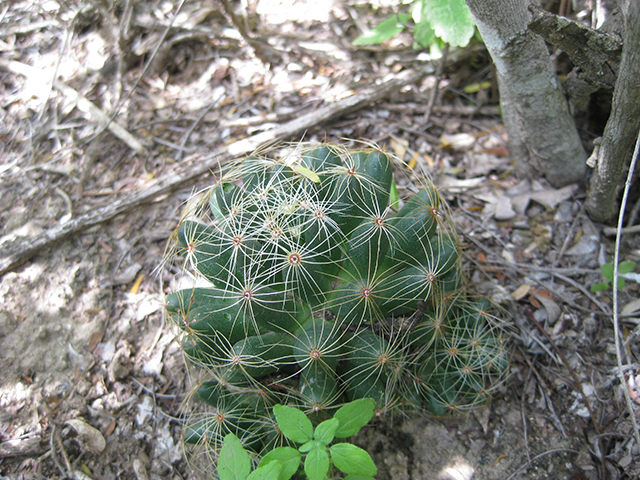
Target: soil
x=92, y=377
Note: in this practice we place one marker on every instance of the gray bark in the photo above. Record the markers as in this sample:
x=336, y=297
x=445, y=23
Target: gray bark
x=595, y=54
x=622, y=127
x=542, y=134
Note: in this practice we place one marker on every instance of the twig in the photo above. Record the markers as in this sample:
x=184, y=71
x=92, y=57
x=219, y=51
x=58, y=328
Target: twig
x=615, y=230
x=616, y=261
x=434, y=91
x=635, y=211
x=596, y=426
x=66, y=468
x=261, y=50
x=537, y=457
x=189, y=131
x=81, y=102
x=145, y=68
x=578, y=385
x=584, y=291
x=522, y=269
x=196, y=166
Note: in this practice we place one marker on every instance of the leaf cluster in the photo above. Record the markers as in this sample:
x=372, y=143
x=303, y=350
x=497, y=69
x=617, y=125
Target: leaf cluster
x=432, y=22
x=607, y=272
x=282, y=463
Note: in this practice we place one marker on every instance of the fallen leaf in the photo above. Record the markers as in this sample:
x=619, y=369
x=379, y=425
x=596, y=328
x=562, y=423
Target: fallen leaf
x=89, y=438
x=552, y=308
x=111, y=427
x=94, y=339
x=521, y=291
x=499, y=152
x=457, y=141
x=504, y=209
x=587, y=244
x=631, y=307
x=399, y=147
x=454, y=184
x=551, y=198
x=136, y=286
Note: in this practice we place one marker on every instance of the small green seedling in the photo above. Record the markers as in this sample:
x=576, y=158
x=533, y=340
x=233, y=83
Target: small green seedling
x=607, y=273
x=282, y=463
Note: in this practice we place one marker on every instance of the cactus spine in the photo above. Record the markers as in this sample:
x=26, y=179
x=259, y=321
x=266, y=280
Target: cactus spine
x=319, y=290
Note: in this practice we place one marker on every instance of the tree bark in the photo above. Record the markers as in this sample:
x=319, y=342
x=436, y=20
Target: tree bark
x=622, y=127
x=542, y=134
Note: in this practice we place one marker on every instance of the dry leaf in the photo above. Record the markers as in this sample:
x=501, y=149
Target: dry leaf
x=631, y=307
x=552, y=308
x=399, y=147
x=458, y=141
x=551, y=198
x=94, y=339
x=521, y=291
x=504, y=209
x=89, y=438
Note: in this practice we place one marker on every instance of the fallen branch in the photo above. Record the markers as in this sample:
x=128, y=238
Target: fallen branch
x=197, y=165
x=81, y=102
x=610, y=231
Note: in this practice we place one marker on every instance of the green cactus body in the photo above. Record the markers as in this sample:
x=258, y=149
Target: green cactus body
x=319, y=290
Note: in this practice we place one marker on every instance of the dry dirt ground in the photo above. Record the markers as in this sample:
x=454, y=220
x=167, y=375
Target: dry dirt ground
x=92, y=376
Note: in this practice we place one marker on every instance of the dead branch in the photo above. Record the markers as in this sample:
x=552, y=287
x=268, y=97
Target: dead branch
x=596, y=53
x=198, y=165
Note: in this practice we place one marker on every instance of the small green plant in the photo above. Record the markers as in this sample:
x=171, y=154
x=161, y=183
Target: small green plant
x=607, y=273
x=433, y=21
x=281, y=463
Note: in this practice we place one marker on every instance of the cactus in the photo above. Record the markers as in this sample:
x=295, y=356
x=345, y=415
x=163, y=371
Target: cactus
x=318, y=286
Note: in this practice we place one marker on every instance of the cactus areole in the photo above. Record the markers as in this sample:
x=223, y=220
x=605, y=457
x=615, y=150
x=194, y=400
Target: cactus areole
x=317, y=285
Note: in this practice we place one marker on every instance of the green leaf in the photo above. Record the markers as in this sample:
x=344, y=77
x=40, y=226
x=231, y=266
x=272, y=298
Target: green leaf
x=424, y=33
x=607, y=271
x=383, y=32
x=599, y=287
x=307, y=173
x=352, y=460
x=288, y=457
x=293, y=423
x=353, y=416
x=234, y=462
x=626, y=267
x=316, y=465
x=271, y=471
x=451, y=20
x=310, y=445
x=326, y=430
x=621, y=282
x=394, y=198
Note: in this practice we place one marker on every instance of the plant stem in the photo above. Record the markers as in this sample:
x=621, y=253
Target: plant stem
x=616, y=261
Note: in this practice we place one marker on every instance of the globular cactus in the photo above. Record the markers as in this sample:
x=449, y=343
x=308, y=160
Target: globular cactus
x=319, y=285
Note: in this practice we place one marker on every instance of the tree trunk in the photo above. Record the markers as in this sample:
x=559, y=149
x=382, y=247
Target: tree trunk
x=622, y=127
x=542, y=134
